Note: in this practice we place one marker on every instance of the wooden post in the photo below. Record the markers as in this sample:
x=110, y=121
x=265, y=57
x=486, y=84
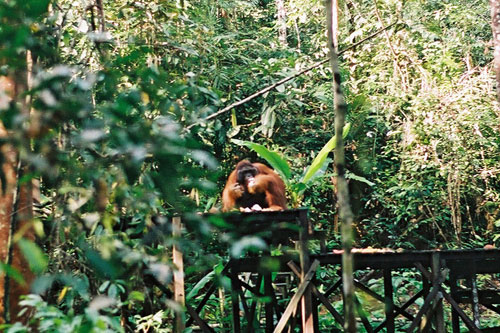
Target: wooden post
x=306, y=303
x=268, y=306
x=475, y=300
x=179, y=292
x=389, y=301
x=455, y=319
x=439, y=313
x=235, y=301
x=301, y=289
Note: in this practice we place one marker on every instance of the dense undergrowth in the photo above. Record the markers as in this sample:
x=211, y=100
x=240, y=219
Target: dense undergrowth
x=112, y=96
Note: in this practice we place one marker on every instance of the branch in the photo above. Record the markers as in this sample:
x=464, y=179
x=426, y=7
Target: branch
x=274, y=85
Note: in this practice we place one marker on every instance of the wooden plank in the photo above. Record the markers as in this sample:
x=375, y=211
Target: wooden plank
x=179, y=291
x=330, y=290
x=296, y=298
x=475, y=300
x=470, y=325
x=296, y=270
x=428, y=300
x=250, y=328
x=492, y=308
x=306, y=302
x=438, y=306
x=243, y=301
x=427, y=324
x=455, y=318
x=397, y=309
x=402, y=310
x=203, y=326
x=235, y=303
x=468, y=322
x=315, y=312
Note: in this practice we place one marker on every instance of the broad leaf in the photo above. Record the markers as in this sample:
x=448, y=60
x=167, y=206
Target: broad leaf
x=274, y=159
x=37, y=260
x=350, y=175
x=207, y=278
x=319, y=163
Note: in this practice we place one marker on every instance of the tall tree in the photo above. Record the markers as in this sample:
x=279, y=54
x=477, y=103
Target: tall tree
x=8, y=189
x=495, y=27
x=346, y=216
x=281, y=21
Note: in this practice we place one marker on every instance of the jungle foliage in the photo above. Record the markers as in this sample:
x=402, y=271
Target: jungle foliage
x=112, y=95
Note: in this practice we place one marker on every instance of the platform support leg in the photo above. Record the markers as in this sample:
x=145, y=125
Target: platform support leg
x=268, y=290
x=389, y=301
x=306, y=303
x=235, y=301
x=439, y=313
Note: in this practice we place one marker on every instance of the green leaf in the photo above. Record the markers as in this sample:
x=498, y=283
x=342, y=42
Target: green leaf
x=136, y=296
x=12, y=272
x=319, y=163
x=276, y=161
x=37, y=260
x=350, y=175
x=200, y=285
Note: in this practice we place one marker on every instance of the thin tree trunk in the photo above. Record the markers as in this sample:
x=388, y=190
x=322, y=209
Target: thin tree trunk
x=23, y=215
x=8, y=193
x=23, y=225
x=346, y=216
x=335, y=24
x=281, y=21
x=297, y=31
x=495, y=27
x=16, y=208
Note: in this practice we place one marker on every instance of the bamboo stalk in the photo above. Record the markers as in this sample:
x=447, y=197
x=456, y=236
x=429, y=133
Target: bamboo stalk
x=346, y=216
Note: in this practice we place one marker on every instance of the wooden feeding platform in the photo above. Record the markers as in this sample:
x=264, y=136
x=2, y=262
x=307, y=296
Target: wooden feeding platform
x=448, y=279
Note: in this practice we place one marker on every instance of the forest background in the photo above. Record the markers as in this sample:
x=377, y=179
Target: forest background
x=103, y=128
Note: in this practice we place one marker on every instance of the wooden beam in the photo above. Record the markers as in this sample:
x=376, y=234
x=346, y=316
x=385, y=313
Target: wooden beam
x=235, y=302
x=335, y=286
x=296, y=298
x=438, y=306
x=296, y=270
x=468, y=322
x=203, y=326
x=250, y=328
x=401, y=310
x=388, y=301
x=306, y=302
x=428, y=300
x=397, y=309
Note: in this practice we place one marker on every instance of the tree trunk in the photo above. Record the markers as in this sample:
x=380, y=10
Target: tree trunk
x=8, y=192
x=346, y=216
x=495, y=27
x=22, y=224
x=16, y=208
x=335, y=24
x=281, y=21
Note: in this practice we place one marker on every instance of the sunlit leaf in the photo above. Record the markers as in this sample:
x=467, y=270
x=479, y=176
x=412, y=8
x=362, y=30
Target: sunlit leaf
x=279, y=164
